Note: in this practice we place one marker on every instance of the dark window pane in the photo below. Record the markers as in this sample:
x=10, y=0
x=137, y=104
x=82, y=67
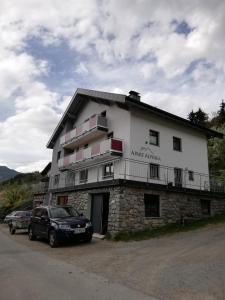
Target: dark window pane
x=154, y=171
x=178, y=177
x=176, y=144
x=152, y=206
x=58, y=155
x=191, y=175
x=205, y=207
x=108, y=170
x=154, y=137
x=83, y=175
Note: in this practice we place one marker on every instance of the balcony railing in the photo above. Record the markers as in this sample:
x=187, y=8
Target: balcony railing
x=136, y=170
x=92, y=127
x=107, y=147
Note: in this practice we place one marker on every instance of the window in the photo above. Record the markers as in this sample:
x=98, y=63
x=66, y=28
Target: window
x=205, y=207
x=58, y=155
x=178, y=177
x=154, y=137
x=70, y=178
x=108, y=170
x=152, y=206
x=56, y=179
x=103, y=114
x=154, y=171
x=191, y=175
x=62, y=200
x=110, y=135
x=177, y=144
x=85, y=146
x=83, y=175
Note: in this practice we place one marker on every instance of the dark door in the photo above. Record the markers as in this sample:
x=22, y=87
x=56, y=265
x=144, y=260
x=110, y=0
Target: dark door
x=99, y=212
x=178, y=177
x=105, y=213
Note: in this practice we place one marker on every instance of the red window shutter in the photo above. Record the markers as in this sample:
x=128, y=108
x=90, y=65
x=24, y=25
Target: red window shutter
x=116, y=145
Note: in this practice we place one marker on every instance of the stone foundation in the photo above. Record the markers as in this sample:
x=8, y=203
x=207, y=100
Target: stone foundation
x=127, y=211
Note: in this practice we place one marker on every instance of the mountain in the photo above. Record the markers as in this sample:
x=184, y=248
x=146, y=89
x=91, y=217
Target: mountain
x=6, y=173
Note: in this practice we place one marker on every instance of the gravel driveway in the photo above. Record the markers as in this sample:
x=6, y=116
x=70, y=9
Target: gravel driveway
x=187, y=265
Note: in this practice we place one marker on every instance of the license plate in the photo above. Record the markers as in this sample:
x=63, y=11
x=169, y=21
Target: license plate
x=79, y=230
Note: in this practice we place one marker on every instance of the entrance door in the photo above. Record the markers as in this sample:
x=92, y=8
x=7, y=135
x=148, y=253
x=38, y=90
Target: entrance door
x=99, y=212
x=178, y=177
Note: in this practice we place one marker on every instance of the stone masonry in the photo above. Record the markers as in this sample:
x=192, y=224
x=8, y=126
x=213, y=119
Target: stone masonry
x=127, y=211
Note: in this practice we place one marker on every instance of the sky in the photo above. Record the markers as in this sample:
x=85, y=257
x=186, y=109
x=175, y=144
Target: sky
x=171, y=52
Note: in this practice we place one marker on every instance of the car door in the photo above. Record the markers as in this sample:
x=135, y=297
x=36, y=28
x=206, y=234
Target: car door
x=36, y=218
x=44, y=223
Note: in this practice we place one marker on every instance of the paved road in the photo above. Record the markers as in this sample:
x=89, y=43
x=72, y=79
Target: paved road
x=30, y=274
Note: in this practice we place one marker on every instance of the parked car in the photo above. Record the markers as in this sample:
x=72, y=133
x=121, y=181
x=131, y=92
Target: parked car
x=58, y=224
x=10, y=216
x=19, y=220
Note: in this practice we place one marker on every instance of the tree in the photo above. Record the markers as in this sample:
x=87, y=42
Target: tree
x=221, y=113
x=216, y=150
x=218, y=119
x=199, y=117
x=15, y=194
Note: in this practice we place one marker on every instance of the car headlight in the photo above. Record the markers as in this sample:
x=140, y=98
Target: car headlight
x=88, y=224
x=61, y=226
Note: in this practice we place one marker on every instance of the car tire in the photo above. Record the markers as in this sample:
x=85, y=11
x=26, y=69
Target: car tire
x=12, y=230
x=53, y=242
x=88, y=240
x=31, y=234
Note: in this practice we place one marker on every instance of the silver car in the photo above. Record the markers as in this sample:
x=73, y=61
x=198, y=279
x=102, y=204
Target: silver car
x=18, y=220
x=10, y=216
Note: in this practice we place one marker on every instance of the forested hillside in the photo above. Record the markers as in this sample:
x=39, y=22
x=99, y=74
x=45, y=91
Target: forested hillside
x=16, y=191
x=216, y=147
x=6, y=173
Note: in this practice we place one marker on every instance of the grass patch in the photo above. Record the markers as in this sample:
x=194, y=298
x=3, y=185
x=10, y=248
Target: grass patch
x=167, y=229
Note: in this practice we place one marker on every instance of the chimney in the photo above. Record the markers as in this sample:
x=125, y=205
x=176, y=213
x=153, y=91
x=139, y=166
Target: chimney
x=134, y=95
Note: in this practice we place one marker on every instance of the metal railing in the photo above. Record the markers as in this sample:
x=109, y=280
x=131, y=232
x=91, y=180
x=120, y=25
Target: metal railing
x=96, y=150
x=136, y=170
x=96, y=121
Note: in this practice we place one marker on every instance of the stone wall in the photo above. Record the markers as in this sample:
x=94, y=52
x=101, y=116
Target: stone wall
x=40, y=199
x=127, y=211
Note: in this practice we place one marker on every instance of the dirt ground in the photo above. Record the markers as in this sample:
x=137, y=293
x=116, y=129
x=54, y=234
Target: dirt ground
x=187, y=265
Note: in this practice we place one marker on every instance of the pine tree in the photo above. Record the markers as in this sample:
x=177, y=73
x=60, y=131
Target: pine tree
x=199, y=117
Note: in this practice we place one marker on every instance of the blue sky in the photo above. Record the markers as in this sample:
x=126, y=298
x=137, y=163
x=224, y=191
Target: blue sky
x=171, y=52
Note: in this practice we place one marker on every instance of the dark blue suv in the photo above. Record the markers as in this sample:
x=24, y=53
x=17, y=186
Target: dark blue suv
x=58, y=224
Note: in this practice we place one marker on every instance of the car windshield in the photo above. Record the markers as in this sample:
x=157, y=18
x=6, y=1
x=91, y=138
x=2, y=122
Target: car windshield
x=63, y=212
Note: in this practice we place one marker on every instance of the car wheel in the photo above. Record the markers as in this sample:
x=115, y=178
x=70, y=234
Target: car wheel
x=12, y=230
x=53, y=239
x=31, y=234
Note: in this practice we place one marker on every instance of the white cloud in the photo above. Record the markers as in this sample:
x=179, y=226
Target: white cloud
x=118, y=45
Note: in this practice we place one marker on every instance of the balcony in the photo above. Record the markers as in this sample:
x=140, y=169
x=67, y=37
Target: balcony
x=93, y=128
x=100, y=151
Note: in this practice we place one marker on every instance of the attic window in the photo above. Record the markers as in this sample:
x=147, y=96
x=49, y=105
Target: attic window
x=103, y=114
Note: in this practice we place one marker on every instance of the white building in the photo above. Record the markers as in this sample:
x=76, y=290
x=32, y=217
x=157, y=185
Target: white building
x=107, y=141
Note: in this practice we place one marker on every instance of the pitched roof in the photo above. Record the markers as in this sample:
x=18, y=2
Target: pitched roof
x=82, y=95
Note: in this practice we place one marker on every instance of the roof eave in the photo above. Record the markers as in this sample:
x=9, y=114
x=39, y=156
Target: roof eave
x=208, y=132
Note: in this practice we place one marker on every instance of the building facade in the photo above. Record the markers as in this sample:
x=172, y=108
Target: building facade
x=128, y=165
x=40, y=190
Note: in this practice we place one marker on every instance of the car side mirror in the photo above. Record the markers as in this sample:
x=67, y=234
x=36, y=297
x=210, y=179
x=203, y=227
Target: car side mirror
x=44, y=218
